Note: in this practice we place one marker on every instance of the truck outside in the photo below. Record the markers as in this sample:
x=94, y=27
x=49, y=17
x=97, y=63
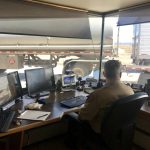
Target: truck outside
x=80, y=55
x=141, y=46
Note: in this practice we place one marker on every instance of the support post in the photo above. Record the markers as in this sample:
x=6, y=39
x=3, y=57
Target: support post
x=101, y=48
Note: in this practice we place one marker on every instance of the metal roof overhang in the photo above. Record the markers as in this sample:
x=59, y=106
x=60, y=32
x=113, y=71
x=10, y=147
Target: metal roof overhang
x=26, y=18
x=20, y=17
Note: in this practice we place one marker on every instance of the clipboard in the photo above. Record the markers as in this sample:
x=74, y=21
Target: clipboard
x=34, y=115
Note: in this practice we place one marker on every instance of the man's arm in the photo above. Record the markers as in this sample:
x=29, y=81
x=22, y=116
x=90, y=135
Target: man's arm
x=90, y=109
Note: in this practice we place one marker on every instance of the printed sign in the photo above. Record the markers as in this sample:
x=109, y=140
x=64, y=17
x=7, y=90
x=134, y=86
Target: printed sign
x=11, y=61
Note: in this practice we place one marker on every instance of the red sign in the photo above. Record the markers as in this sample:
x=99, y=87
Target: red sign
x=11, y=61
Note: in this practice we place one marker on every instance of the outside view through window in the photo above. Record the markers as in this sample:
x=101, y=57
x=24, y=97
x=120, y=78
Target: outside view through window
x=129, y=44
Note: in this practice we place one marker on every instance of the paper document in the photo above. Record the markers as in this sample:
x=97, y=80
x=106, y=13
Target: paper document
x=34, y=115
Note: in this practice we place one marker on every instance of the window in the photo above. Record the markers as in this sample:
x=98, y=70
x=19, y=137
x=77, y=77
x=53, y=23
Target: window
x=131, y=47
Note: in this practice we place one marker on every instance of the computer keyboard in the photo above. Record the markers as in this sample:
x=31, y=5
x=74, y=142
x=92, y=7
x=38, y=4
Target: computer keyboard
x=74, y=101
x=6, y=118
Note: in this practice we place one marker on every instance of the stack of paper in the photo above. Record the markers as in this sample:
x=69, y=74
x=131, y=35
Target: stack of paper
x=34, y=115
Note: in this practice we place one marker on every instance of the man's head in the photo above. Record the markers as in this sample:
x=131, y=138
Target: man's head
x=112, y=69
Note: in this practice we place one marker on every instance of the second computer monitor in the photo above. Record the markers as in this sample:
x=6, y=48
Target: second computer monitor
x=39, y=80
x=5, y=92
x=15, y=85
x=68, y=80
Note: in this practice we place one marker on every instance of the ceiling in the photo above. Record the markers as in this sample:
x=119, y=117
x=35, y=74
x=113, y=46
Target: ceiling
x=96, y=5
x=100, y=6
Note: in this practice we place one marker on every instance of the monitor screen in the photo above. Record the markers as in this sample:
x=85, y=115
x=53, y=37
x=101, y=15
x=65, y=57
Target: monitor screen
x=144, y=76
x=39, y=80
x=68, y=80
x=15, y=85
x=5, y=93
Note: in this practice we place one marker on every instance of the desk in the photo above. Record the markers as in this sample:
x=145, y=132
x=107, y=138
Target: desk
x=16, y=133
x=142, y=133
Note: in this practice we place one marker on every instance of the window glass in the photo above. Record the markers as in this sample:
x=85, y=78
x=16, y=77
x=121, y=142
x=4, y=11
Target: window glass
x=79, y=56
x=130, y=45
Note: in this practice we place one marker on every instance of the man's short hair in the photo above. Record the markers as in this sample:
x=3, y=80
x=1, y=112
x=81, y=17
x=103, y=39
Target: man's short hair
x=112, y=69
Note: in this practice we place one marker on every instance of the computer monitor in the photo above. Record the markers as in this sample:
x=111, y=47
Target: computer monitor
x=5, y=92
x=144, y=76
x=39, y=80
x=15, y=85
x=68, y=80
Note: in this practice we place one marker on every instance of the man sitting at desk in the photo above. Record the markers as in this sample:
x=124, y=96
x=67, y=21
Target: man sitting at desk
x=100, y=100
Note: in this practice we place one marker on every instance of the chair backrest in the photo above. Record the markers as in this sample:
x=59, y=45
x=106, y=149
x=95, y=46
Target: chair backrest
x=117, y=125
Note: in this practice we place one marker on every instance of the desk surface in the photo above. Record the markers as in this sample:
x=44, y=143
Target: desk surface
x=57, y=111
x=52, y=105
x=145, y=110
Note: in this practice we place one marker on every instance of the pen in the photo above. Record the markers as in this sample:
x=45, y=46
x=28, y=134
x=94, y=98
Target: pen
x=42, y=116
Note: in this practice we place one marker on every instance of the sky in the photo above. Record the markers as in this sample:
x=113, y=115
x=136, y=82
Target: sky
x=126, y=34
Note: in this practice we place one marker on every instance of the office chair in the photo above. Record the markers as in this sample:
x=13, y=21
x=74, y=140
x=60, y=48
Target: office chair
x=117, y=129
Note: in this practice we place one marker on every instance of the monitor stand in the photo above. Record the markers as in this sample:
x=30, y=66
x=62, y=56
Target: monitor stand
x=44, y=93
x=40, y=98
x=41, y=94
x=17, y=100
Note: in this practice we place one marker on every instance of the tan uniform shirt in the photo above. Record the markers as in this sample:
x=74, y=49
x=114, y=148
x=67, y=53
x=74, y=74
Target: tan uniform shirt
x=100, y=100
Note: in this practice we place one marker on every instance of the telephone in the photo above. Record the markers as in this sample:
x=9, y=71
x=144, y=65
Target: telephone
x=91, y=82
